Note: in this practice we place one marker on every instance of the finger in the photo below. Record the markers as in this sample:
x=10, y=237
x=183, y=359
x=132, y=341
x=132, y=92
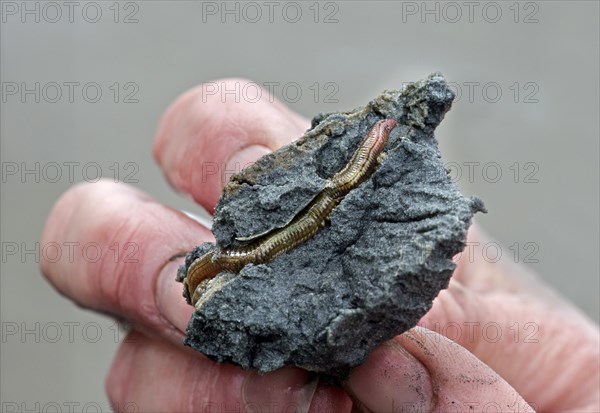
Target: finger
x=480, y=269
x=152, y=375
x=217, y=129
x=123, y=242
x=330, y=398
x=519, y=337
x=424, y=371
x=485, y=265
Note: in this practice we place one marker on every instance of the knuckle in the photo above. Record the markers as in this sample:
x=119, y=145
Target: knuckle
x=59, y=224
x=93, y=221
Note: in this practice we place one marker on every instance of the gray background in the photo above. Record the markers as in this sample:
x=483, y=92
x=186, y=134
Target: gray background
x=548, y=131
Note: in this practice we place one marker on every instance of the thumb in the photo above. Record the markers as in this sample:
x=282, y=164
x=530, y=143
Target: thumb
x=423, y=371
x=210, y=133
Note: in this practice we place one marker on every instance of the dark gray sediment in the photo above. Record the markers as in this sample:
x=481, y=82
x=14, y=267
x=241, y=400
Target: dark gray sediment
x=371, y=273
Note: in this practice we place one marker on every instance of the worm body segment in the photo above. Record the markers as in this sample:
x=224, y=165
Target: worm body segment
x=302, y=227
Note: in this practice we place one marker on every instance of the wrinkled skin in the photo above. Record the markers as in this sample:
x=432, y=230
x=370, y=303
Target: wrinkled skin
x=553, y=363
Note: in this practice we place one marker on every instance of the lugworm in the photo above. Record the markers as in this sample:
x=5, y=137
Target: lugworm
x=302, y=227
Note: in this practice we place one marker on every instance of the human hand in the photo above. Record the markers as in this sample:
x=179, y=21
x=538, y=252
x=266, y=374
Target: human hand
x=200, y=135
x=152, y=370
x=514, y=342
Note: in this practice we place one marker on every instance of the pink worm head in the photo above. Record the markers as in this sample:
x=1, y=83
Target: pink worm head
x=382, y=130
x=386, y=125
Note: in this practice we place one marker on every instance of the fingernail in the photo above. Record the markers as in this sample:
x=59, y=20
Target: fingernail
x=243, y=159
x=391, y=379
x=169, y=296
x=288, y=389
